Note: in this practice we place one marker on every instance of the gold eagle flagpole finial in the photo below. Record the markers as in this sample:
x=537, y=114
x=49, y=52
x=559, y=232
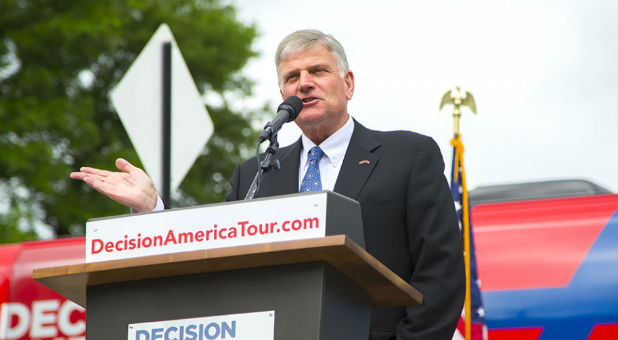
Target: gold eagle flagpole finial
x=458, y=99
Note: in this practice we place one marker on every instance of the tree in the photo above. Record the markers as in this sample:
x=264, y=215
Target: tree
x=58, y=62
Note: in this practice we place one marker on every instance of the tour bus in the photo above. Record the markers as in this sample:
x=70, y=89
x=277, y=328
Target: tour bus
x=547, y=256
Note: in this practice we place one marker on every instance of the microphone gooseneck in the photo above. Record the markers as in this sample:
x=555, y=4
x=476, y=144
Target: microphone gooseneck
x=286, y=112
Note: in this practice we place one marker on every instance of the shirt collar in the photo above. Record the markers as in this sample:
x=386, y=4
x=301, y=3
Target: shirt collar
x=334, y=147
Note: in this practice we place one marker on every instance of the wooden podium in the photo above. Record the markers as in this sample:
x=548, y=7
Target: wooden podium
x=319, y=288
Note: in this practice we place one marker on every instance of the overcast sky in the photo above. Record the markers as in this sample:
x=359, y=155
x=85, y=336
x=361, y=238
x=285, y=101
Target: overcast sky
x=544, y=75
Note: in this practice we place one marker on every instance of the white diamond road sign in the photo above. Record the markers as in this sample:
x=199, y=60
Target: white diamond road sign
x=137, y=99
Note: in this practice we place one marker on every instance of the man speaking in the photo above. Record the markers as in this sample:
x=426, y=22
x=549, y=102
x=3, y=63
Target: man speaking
x=397, y=177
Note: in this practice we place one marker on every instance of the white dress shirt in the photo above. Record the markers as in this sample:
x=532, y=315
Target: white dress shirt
x=334, y=148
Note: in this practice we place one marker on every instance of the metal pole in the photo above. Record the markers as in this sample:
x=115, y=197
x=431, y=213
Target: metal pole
x=166, y=122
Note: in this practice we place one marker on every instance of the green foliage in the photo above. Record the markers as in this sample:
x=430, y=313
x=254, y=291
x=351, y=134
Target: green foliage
x=58, y=62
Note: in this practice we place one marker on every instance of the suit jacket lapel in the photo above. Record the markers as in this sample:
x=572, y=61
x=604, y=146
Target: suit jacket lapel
x=285, y=180
x=358, y=163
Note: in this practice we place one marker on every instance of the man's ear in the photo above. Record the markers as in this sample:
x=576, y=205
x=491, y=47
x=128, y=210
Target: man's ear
x=349, y=81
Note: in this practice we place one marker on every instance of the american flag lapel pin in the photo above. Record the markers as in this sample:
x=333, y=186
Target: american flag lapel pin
x=364, y=161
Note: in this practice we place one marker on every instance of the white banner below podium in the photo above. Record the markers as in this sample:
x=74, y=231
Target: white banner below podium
x=245, y=326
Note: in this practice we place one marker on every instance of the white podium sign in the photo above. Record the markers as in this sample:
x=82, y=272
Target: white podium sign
x=246, y=326
x=222, y=225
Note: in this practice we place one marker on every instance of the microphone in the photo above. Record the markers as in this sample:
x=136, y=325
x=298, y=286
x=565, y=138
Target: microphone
x=286, y=112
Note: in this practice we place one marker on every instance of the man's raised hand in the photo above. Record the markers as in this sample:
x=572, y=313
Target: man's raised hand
x=131, y=186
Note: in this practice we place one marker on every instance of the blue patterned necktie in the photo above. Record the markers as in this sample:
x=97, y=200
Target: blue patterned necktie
x=312, y=181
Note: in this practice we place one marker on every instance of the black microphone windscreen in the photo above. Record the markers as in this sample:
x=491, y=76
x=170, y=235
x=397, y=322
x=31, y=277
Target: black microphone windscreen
x=295, y=104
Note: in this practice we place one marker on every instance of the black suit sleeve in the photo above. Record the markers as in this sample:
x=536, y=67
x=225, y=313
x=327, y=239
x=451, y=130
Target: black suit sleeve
x=436, y=250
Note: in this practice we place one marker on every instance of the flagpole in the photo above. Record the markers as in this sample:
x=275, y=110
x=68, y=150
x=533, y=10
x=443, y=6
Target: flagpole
x=466, y=227
x=457, y=99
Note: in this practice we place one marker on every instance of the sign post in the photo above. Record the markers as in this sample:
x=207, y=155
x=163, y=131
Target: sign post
x=166, y=122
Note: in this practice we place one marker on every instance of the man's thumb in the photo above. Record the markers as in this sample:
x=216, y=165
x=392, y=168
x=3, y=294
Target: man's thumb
x=124, y=165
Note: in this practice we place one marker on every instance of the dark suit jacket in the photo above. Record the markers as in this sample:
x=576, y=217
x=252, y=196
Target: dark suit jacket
x=408, y=216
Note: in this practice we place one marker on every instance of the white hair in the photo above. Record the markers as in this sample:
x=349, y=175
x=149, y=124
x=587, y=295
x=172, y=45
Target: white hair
x=304, y=39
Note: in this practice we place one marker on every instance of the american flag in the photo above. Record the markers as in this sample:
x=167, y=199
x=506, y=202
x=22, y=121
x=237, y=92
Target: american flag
x=478, y=329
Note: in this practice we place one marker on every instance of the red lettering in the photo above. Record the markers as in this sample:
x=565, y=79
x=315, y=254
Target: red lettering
x=96, y=242
x=170, y=237
x=232, y=233
x=311, y=222
x=242, y=227
x=252, y=230
x=199, y=236
x=109, y=246
x=264, y=228
x=185, y=238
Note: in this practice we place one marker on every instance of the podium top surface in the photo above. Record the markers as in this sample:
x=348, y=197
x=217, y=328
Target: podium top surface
x=385, y=287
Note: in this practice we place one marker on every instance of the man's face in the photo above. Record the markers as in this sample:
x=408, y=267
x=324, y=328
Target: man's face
x=314, y=76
